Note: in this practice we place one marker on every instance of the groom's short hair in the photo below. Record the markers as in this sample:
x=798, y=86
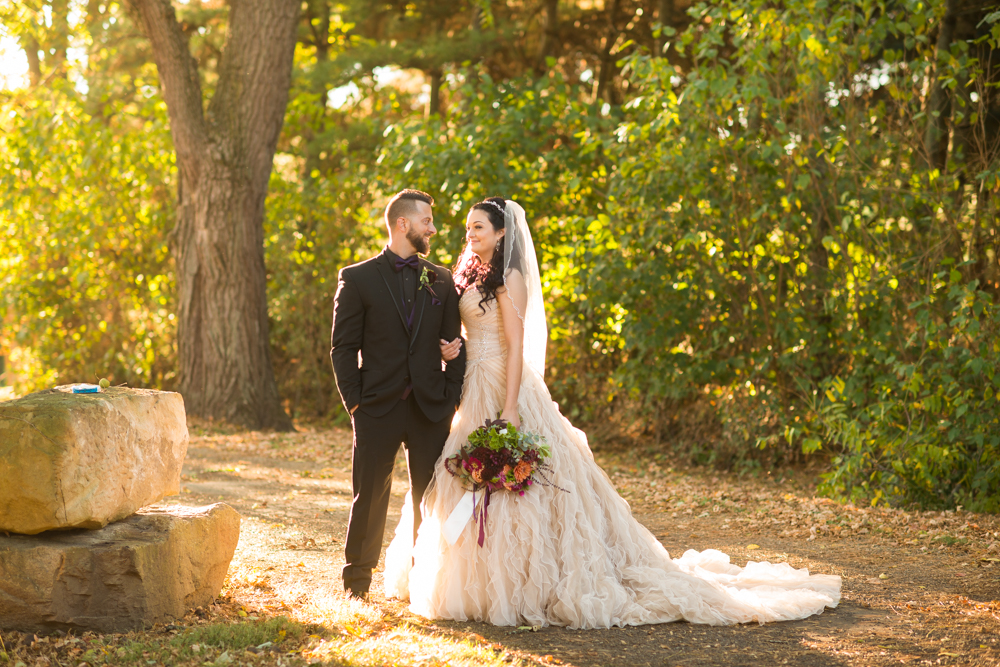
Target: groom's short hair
x=403, y=204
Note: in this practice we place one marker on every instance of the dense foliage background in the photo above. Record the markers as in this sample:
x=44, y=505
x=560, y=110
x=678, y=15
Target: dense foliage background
x=768, y=230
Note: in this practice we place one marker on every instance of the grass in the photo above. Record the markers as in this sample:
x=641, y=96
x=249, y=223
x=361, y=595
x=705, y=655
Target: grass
x=217, y=643
x=338, y=632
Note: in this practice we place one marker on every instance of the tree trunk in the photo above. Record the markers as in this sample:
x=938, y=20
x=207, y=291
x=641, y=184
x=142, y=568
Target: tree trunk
x=476, y=23
x=550, y=38
x=665, y=16
x=60, y=32
x=475, y=27
x=825, y=184
x=224, y=159
x=604, y=79
x=434, y=103
x=31, y=47
x=938, y=101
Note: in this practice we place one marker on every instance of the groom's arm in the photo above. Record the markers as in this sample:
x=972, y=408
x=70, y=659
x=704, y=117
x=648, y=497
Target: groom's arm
x=451, y=328
x=348, y=331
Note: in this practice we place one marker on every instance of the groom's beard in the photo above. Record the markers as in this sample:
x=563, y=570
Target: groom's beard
x=419, y=243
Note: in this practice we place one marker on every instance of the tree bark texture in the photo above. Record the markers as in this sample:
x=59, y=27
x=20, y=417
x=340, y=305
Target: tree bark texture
x=938, y=100
x=665, y=17
x=605, y=87
x=60, y=37
x=224, y=159
x=550, y=37
x=434, y=101
x=34, y=62
x=476, y=23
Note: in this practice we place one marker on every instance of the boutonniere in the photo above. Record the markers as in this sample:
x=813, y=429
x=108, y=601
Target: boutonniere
x=427, y=278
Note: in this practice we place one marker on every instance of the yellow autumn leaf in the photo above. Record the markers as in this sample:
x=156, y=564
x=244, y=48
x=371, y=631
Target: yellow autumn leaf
x=815, y=47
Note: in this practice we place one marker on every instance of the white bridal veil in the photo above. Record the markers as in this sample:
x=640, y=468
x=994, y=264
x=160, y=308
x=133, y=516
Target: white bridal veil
x=524, y=284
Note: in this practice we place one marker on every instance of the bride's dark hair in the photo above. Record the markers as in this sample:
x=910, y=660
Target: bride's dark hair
x=470, y=269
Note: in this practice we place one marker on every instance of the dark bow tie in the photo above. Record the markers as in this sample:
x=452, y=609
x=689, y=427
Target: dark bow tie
x=410, y=261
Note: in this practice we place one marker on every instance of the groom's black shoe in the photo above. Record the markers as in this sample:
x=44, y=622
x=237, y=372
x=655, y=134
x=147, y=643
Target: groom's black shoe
x=357, y=595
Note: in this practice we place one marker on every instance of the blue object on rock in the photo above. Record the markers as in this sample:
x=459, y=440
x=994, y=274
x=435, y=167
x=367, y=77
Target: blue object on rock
x=85, y=389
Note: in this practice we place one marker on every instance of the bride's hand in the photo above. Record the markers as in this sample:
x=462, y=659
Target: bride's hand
x=450, y=350
x=511, y=418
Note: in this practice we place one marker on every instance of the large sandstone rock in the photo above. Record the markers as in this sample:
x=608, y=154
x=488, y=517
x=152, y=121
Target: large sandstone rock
x=154, y=565
x=84, y=460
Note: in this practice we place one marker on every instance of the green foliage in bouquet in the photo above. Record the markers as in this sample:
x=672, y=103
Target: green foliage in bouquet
x=507, y=436
x=500, y=456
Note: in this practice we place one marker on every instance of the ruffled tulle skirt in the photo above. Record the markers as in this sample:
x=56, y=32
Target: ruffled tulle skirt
x=574, y=558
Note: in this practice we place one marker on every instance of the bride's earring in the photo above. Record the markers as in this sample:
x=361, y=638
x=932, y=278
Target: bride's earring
x=497, y=249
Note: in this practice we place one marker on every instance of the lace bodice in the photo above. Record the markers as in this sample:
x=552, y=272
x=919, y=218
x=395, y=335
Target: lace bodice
x=483, y=332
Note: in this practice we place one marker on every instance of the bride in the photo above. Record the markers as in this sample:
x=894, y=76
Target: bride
x=576, y=558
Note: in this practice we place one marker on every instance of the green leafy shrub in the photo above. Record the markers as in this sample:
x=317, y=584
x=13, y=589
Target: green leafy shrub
x=752, y=223
x=86, y=205
x=922, y=425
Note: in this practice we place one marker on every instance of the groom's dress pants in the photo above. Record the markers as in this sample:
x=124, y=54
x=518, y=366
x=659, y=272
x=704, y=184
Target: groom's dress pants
x=376, y=443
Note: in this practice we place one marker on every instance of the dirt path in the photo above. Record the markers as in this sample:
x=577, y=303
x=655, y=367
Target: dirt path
x=919, y=588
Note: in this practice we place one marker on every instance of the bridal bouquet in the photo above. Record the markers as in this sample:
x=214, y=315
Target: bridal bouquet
x=499, y=457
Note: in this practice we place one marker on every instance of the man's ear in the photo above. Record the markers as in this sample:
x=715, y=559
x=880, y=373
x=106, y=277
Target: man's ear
x=402, y=224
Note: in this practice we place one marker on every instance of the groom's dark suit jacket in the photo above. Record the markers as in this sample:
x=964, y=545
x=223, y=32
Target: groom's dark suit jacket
x=368, y=316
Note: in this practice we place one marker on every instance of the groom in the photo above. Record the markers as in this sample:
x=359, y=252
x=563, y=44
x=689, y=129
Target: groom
x=389, y=314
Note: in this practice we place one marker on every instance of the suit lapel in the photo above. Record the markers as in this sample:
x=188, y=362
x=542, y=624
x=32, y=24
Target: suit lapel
x=421, y=301
x=389, y=278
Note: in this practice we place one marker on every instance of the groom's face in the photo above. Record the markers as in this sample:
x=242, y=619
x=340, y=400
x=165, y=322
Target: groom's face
x=421, y=228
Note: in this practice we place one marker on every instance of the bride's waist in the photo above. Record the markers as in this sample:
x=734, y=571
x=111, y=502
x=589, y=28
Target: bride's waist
x=474, y=357
x=481, y=347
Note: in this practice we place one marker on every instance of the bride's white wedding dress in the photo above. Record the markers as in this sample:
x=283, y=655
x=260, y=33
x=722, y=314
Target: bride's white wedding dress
x=575, y=558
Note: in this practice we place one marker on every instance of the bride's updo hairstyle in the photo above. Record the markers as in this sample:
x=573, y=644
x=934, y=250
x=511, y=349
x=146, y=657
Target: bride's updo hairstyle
x=470, y=269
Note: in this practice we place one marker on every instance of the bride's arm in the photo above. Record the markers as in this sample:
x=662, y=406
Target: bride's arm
x=512, y=301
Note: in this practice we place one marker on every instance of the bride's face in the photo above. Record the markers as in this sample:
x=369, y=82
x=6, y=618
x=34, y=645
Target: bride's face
x=480, y=235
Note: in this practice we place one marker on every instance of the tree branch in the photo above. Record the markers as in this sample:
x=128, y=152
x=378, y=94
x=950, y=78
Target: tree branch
x=178, y=72
x=30, y=45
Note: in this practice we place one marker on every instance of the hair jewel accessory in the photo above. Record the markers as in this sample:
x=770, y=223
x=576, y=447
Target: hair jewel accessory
x=494, y=204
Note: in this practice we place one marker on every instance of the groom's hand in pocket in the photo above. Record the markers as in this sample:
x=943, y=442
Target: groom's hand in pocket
x=450, y=350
